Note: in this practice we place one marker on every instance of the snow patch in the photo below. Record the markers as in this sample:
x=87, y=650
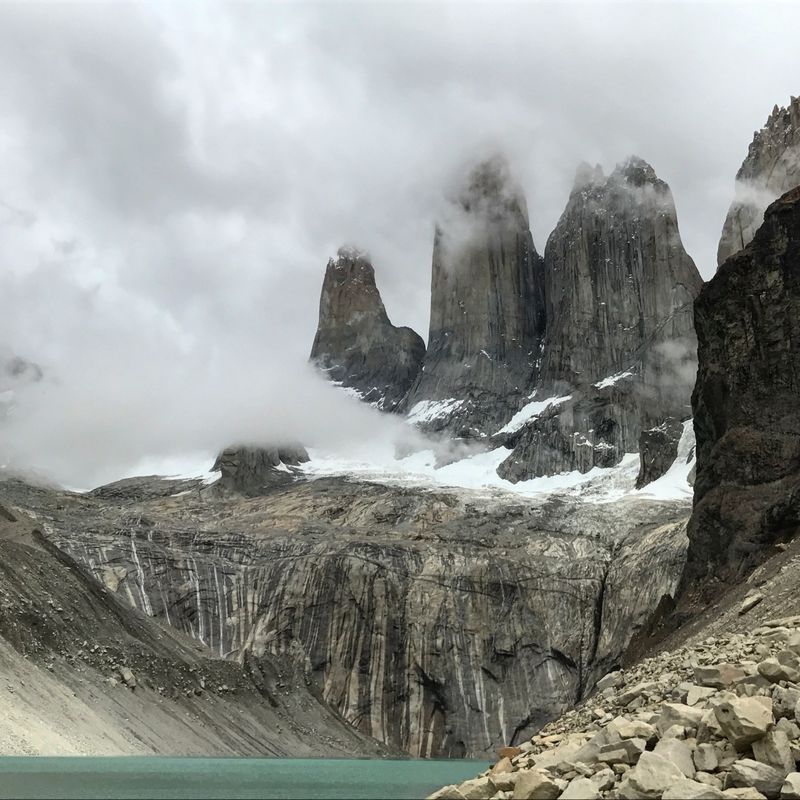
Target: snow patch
x=529, y=411
x=612, y=379
x=429, y=410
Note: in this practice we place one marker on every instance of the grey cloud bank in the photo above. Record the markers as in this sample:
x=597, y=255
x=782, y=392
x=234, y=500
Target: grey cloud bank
x=174, y=179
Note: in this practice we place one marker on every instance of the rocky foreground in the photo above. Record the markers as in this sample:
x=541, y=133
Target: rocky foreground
x=716, y=718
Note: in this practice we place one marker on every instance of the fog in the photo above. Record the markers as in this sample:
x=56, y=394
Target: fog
x=174, y=178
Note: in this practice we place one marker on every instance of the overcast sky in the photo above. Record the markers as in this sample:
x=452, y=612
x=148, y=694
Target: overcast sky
x=174, y=177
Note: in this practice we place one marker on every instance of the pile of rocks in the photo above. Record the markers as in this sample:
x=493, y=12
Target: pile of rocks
x=716, y=719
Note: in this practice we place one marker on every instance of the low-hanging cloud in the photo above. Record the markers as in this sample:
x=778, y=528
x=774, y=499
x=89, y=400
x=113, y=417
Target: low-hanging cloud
x=174, y=181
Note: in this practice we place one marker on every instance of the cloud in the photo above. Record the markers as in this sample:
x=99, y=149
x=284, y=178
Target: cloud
x=174, y=180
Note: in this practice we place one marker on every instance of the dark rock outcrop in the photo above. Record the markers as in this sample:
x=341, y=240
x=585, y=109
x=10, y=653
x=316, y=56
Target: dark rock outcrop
x=658, y=448
x=356, y=344
x=487, y=309
x=771, y=168
x=746, y=411
x=620, y=337
x=252, y=470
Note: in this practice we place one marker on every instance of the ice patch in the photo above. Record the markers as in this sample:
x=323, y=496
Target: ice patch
x=674, y=483
x=529, y=411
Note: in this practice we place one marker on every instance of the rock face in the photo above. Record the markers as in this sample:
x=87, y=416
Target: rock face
x=772, y=168
x=620, y=340
x=356, y=344
x=441, y=623
x=86, y=674
x=658, y=448
x=747, y=419
x=250, y=470
x=487, y=309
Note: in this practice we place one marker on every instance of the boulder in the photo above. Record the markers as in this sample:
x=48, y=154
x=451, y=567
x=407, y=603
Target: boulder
x=743, y=721
x=678, y=714
x=773, y=749
x=679, y=753
x=692, y=790
x=581, y=789
x=790, y=790
x=718, y=676
x=650, y=778
x=534, y=784
x=762, y=777
x=705, y=758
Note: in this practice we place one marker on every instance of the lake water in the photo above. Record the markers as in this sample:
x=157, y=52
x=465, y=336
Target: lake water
x=224, y=778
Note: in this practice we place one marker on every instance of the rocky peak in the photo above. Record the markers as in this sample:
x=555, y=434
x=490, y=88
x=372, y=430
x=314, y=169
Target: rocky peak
x=771, y=168
x=356, y=344
x=620, y=343
x=252, y=470
x=487, y=307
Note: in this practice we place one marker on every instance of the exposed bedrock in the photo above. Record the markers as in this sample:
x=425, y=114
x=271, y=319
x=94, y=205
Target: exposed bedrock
x=442, y=623
x=487, y=307
x=620, y=338
x=771, y=168
x=658, y=448
x=746, y=411
x=356, y=345
x=251, y=470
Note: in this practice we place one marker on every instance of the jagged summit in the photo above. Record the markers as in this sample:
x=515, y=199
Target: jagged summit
x=620, y=341
x=771, y=168
x=487, y=307
x=356, y=344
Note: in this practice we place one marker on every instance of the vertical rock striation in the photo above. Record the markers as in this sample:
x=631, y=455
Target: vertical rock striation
x=747, y=417
x=487, y=309
x=356, y=344
x=620, y=339
x=771, y=168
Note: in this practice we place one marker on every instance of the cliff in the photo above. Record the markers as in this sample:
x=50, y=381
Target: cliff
x=747, y=421
x=441, y=623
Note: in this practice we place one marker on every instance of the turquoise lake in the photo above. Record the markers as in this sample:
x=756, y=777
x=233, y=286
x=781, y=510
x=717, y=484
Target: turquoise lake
x=268, y=778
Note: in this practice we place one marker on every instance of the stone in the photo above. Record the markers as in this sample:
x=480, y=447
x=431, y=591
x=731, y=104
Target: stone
x=750, y=601
x=480, y=788
x=604, y=779
x=674, y=732
x=749, y=773
x=633, y=729
x=705, y=758
x=774, y=671
x=678, y=714
x=790, y=728
x=773, y=749
x=128, y=678
x=709, y=779
x=356, y=345
x=679, y=753
x=503, y=765
x=743, y=721
x=649, y=778
x=626, y=751
x=718, y=676
x=508, y=752
x=793, y=642
x=535, y=785
x=450, y=792
x=611, y=681
x=790, y=790
x=698, y=693
x=744, y=793
x=505, y=781
x=691, y=790
x=581, y=789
